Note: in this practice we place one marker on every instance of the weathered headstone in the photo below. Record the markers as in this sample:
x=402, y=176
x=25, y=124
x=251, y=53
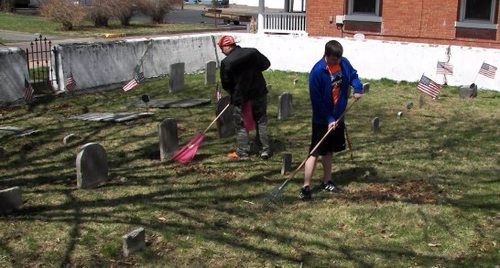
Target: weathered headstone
x=10, y=199
x=421, y=101
x=468, y=92
x=400, y=114
x=210, y=71
x=375, y=124
x=269, y=87
x=91, y=166
x=286, y=164
x=225, y=123
x=70, y=138
x=366, y=88
x=169, y=141
x=409, y=105
x=177, y=76
x=2, y=153
x=134, y=241
x=285, y=106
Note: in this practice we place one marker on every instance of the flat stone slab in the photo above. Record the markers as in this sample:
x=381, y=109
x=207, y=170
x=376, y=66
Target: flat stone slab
x=10, y=199
x=170, y=103
x=110, y=117
x=9, y=131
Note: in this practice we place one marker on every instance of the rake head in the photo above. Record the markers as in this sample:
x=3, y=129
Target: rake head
x=275, y=196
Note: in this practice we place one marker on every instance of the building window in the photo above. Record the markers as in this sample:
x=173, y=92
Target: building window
x=477, y=14
x=363, y=10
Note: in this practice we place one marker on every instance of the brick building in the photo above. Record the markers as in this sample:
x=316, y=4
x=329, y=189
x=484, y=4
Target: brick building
x=447, y=22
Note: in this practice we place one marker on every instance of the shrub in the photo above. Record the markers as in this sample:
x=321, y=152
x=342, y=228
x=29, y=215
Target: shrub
x=100, y=12
x=63, y=11
x=156, y=9
x=6, y=5
x=123, y=10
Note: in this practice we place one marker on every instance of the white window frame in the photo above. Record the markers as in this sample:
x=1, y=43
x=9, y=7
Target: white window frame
x=358, y=16
x=475, y=23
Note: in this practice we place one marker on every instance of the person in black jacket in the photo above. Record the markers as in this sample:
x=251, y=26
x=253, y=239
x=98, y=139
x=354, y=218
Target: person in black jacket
x=241, y=76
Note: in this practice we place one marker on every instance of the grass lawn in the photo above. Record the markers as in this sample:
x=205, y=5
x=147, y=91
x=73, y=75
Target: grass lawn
x=423, y=192
x=45, y=26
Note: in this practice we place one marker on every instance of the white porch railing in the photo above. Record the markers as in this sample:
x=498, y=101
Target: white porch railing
x=294, y=23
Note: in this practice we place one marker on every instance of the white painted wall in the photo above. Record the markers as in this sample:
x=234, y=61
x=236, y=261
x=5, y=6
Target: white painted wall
x=255, y=3
x=13, y=69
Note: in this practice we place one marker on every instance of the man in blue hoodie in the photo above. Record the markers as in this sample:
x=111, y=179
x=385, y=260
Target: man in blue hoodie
x=329, y=83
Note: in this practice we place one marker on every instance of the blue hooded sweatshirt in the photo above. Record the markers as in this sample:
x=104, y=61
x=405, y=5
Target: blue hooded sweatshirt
x=320, y=91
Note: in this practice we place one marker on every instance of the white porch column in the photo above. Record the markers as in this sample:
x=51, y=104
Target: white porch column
x=260, y=17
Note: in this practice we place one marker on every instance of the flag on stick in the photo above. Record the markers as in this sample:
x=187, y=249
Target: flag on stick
x=488, y=70
x=139, y=77
x=28, y=91
x=444, y=68
x=70, y=82
x=429, y=87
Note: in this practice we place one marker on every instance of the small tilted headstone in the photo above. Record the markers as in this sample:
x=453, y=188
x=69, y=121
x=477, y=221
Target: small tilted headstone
x=421, y=101
x=176, y=81
x=366, y=88
x=169, y=141
x=409, y=105
x=210, y=72
x=295, y=81
x=67, y=140
x=285, y=106
x=468, y=92
x=145, y=99
x=375, y=124
x=10, y=199
x=225, y=123
x=286, y=164
x=269, y=87
x=400, y=114
x=134, y=241
x=91, y=166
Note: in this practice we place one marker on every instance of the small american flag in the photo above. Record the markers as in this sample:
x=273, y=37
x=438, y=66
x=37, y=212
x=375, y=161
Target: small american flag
x=444, y=68
x=28, y=91
x=70, y=82
x=139, y=77
x=429, y=87
x=488, y=70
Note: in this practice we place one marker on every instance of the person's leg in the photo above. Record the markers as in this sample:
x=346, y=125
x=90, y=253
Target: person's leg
x=243, y=148
x=326, y=161
x=259, y=109
x=309, y=168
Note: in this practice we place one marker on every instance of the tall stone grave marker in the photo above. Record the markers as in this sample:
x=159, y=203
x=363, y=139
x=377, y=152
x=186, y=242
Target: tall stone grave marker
x=375, y=124
x=210, y=70
x=225, y=123
x=177, y=76
x=285, y=106
x=169, y=141
x=366, y=88
x=286, y=164
x=10, y=199
x=91, y=166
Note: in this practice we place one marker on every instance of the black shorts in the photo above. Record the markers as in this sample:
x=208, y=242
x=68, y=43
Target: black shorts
x=334, y=142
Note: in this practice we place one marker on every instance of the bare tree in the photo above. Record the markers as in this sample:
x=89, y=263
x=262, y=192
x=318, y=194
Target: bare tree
x=63, y=11
x=123, y=10
x=7, y=5
x=156, y=9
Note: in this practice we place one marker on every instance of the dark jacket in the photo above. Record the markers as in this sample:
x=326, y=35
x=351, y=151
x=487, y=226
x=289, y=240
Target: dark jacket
x=320, y=91
x=241, y=74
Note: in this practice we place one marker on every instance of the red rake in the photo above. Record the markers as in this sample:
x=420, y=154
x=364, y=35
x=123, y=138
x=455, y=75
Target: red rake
x=187, y=153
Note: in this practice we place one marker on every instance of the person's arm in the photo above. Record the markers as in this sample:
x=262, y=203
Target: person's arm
x=320, y=99
x=263, y=61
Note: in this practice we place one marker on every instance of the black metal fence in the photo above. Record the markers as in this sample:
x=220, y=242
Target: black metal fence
x=38, y=57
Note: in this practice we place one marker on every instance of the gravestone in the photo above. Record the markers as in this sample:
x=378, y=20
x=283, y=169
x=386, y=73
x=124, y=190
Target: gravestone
x=169, y=141
x=10, y=199
x=171, y=103
x=210, y=71
x=269, y=88
x=2, y=153
x=375, y=124
x=286, y=164
x=134, y=241
x=176, y=77
x=285, y=106
x=400, y=114
x=110, y=117
x=468, y=92
x=366, y=88
x=70, y=138
x=409, y=105
x=225, y=123
x=421, y=101
x=91, y=166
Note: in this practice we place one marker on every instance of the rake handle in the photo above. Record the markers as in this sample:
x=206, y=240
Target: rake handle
x=219, y=115
x=317, y=145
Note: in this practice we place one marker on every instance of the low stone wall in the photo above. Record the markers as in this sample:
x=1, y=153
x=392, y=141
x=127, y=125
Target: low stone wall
x=13, y=70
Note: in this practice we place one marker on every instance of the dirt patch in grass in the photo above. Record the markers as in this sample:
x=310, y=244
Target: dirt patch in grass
x=410, y=192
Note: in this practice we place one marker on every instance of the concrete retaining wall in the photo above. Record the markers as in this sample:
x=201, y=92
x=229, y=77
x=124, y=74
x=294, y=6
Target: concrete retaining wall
x=111, y=64
x=13, y=70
